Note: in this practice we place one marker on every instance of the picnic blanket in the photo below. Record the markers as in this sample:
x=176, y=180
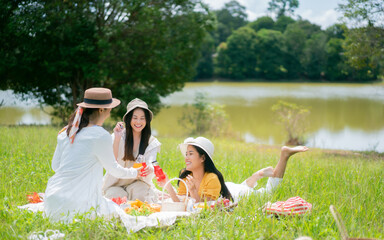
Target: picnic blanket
x=131, y=223
x=293, y=206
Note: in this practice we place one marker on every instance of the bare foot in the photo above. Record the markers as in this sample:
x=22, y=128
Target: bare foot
x=266, y=172
x=289, y=151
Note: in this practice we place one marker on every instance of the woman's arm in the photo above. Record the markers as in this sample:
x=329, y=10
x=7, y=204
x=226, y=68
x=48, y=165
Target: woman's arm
x=116, y=137
x=58, y=151
x=169, y=189
x=56, y=158
x=104, y=152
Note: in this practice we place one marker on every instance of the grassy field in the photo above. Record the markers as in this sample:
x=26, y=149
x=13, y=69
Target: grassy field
x=353, y=182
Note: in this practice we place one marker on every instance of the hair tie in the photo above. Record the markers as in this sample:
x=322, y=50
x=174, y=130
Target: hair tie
x=75, y=124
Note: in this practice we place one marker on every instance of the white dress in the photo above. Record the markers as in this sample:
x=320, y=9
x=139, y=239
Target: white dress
x=76, y=185
x=242, y=190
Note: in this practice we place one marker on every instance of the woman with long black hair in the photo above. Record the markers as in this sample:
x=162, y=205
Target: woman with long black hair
x=134, y=144
x=205, y=182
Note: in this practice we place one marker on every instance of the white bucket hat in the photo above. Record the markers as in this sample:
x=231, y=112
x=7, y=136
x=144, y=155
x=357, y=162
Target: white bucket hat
x=135, y=103
x=201, y=142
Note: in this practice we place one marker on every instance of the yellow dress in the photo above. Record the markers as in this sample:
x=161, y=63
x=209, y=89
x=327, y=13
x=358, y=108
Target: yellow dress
x=210, y=187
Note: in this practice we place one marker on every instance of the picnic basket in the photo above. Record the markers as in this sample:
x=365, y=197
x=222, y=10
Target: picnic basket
x=174, y=206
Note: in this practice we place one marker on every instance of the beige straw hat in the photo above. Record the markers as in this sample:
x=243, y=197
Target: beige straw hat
x=135, y=103
x=98, y=98
x=201, y=142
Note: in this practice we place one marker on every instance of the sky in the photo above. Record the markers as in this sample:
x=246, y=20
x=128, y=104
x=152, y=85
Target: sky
x=321, y=12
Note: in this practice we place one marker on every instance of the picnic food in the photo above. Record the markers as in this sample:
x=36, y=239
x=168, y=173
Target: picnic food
x=119, y=200
x=34, y=198
x=202, y=205
x=137, y=165
x=142, y=208
x=221, y=203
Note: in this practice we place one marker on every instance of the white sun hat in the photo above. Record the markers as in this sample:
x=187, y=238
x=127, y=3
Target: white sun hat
x=137, y=103
x=200, y=142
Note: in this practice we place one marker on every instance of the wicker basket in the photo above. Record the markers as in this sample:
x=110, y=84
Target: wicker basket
x=174, y=206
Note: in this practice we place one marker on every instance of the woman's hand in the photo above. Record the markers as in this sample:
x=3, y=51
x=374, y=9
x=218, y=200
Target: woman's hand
x=139, y=171
x=118, y=130
x=147, y=170
x=191, y=184
x=163, y=182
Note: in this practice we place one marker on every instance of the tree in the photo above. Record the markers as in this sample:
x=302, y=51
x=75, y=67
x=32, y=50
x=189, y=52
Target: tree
x=364, y=45
x=204, y=67
x=314, y=56
x=262, y=22
x=231, y=17
x=364, y=12
x=294, y=42
x=282, y=23
x=336, y=68
x=283, y=7
x=270, y=54
x=336, y=31
x=240, y=54
x=144, y=49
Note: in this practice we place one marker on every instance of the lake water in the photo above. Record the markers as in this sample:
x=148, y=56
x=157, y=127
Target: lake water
x=343, y=116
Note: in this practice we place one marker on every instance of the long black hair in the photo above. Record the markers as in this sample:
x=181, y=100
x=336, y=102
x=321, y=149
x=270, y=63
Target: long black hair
x=87, y=112
x=209, y=166
x=145, y=135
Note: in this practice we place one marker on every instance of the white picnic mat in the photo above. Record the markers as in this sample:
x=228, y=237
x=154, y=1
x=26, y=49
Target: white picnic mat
x=131, y=223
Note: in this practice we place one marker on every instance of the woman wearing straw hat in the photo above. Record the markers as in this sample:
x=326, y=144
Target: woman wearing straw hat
x=205, y=182
x=134, y=144
x=83, y=149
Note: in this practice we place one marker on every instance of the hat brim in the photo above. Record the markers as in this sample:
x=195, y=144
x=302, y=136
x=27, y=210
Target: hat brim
x=150, y=112
x=115, y=103
x=183, y=148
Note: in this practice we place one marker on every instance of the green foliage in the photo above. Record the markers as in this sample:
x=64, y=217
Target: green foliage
x=363, y=50
x=314, y=56
x=364, y=45
x=294, y=38
x=241, y=53
x=270, y=55
x=231, y=17
x=344, y=179
x=283, y=7
x=293, y=118
x=203, y=118
x=336, y=68
x=265, y=22
x=364, y=12
x=336, y=31
x=60, y=48
x=204, y=67
x=282, y=22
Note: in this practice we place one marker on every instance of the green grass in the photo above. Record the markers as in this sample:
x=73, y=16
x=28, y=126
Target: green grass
x=353, y=182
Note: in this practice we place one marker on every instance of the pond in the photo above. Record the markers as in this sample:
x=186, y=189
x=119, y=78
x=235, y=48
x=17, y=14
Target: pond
x=343, y=116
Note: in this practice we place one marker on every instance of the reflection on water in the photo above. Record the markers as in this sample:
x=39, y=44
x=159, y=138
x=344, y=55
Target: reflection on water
x=19, y=115
x=343, y=116
x=246, y=93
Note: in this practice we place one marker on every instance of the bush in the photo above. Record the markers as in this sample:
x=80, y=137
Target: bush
x=203, y=118
x=293, y=117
